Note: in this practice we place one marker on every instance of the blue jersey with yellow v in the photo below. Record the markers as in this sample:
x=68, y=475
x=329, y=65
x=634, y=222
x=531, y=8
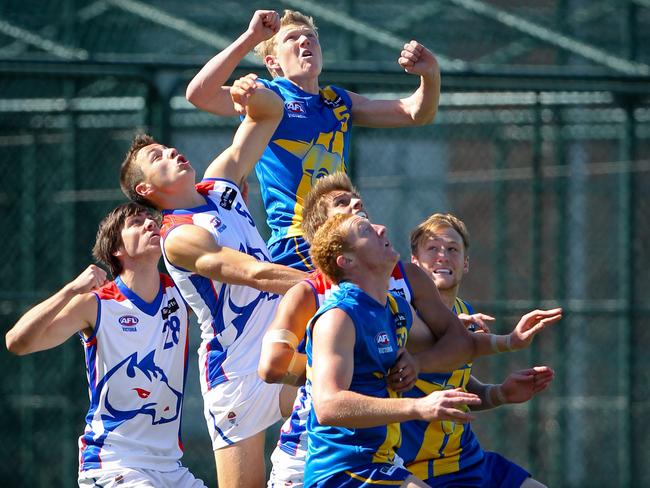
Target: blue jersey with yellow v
x=380, y=329
x=440, y=447
x=311, y=141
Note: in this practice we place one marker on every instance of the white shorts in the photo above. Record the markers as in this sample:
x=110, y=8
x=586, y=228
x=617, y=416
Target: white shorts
x=287, y=470
x=240, y=408
x=139, y=478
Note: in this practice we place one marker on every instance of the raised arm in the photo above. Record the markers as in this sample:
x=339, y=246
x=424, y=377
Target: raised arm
x=334, y=404
x=279, y=361
x=206, y=91
x=263, y=114
x=51, y=322
x=194, y=248
x=418, y=109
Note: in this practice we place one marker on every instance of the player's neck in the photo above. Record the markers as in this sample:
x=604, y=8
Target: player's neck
x=306, y=84
x=448, y=297
x=373, y=284
x=186, y=199
x=143, y=279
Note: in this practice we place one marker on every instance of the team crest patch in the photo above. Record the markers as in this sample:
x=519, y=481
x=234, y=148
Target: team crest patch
x=337, y=102
x=128, y=323
x=295, y=108
x=232, y=418
x=383, y=343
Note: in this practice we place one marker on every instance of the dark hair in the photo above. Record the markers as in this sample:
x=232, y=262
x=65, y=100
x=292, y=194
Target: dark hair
x=131, y=174
x=109, y=235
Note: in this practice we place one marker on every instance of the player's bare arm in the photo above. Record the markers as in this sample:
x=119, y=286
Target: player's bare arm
x=72, y=309
x=521, y=337
x=206, y=90
x=453, y=346
x=263, y=114
x=279, y=361
x=332, y=368
x=418, y=109
x=194, y=248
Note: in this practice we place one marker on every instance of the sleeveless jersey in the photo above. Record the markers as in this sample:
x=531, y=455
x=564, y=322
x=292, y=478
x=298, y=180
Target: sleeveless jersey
x=440, y=447
x=293, y=435
x=136, y=360
x=233, y=318
x=311, y=141
x=379, y=332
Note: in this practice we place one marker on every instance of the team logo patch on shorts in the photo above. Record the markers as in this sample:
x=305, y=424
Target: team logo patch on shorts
x=388, y=470
x=232, y=418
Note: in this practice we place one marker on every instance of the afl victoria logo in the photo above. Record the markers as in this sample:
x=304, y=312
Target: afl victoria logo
x=295, y=109
x=383, y=342
x=128, y=321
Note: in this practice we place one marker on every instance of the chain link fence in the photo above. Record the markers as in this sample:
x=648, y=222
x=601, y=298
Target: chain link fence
x=548, y=174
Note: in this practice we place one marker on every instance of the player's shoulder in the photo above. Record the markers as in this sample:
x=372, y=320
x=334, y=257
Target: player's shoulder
x=110, y=291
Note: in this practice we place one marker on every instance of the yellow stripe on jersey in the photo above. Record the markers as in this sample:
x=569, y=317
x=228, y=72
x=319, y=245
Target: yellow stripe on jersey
x=386, y=452
x=374, y=482
x=441, y=443
x=400, y=332
x=303, y=259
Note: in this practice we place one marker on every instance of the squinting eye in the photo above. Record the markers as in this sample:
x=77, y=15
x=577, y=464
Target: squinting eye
x=142, y=393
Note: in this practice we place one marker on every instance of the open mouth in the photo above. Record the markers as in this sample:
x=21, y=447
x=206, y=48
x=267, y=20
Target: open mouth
x=306, y=54
x=361, y=213
x=442, y=271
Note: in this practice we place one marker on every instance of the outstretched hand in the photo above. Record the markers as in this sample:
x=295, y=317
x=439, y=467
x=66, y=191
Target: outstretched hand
x=91, y=278
x=476, y=321
x=523, y=385
x=531, y=324
x=418, y=60
x=241, y=91
x=263, y=25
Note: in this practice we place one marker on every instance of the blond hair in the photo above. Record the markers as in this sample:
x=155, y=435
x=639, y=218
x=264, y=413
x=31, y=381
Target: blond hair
x=436, y=221
x=315, y=207
x=330, y=242
x=289, y=18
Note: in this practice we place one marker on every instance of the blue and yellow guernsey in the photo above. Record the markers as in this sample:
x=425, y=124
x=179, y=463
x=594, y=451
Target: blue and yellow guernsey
x=311, y=141
x=440, y=447
x=380, y=330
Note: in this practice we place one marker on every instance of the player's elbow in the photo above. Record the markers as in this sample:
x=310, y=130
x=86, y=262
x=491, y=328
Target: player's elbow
x=326, y=410
x=270, y=370
x=193, y=94
x=15, y=345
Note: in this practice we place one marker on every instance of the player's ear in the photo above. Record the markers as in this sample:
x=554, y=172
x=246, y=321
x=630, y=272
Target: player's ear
x=272, y=64
x=143, y=189
x=344, y=261
x=466, y=265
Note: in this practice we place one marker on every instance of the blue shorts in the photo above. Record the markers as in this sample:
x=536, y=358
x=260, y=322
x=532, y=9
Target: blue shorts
x=493, y=471
x=292, y=252
x=366, y=476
